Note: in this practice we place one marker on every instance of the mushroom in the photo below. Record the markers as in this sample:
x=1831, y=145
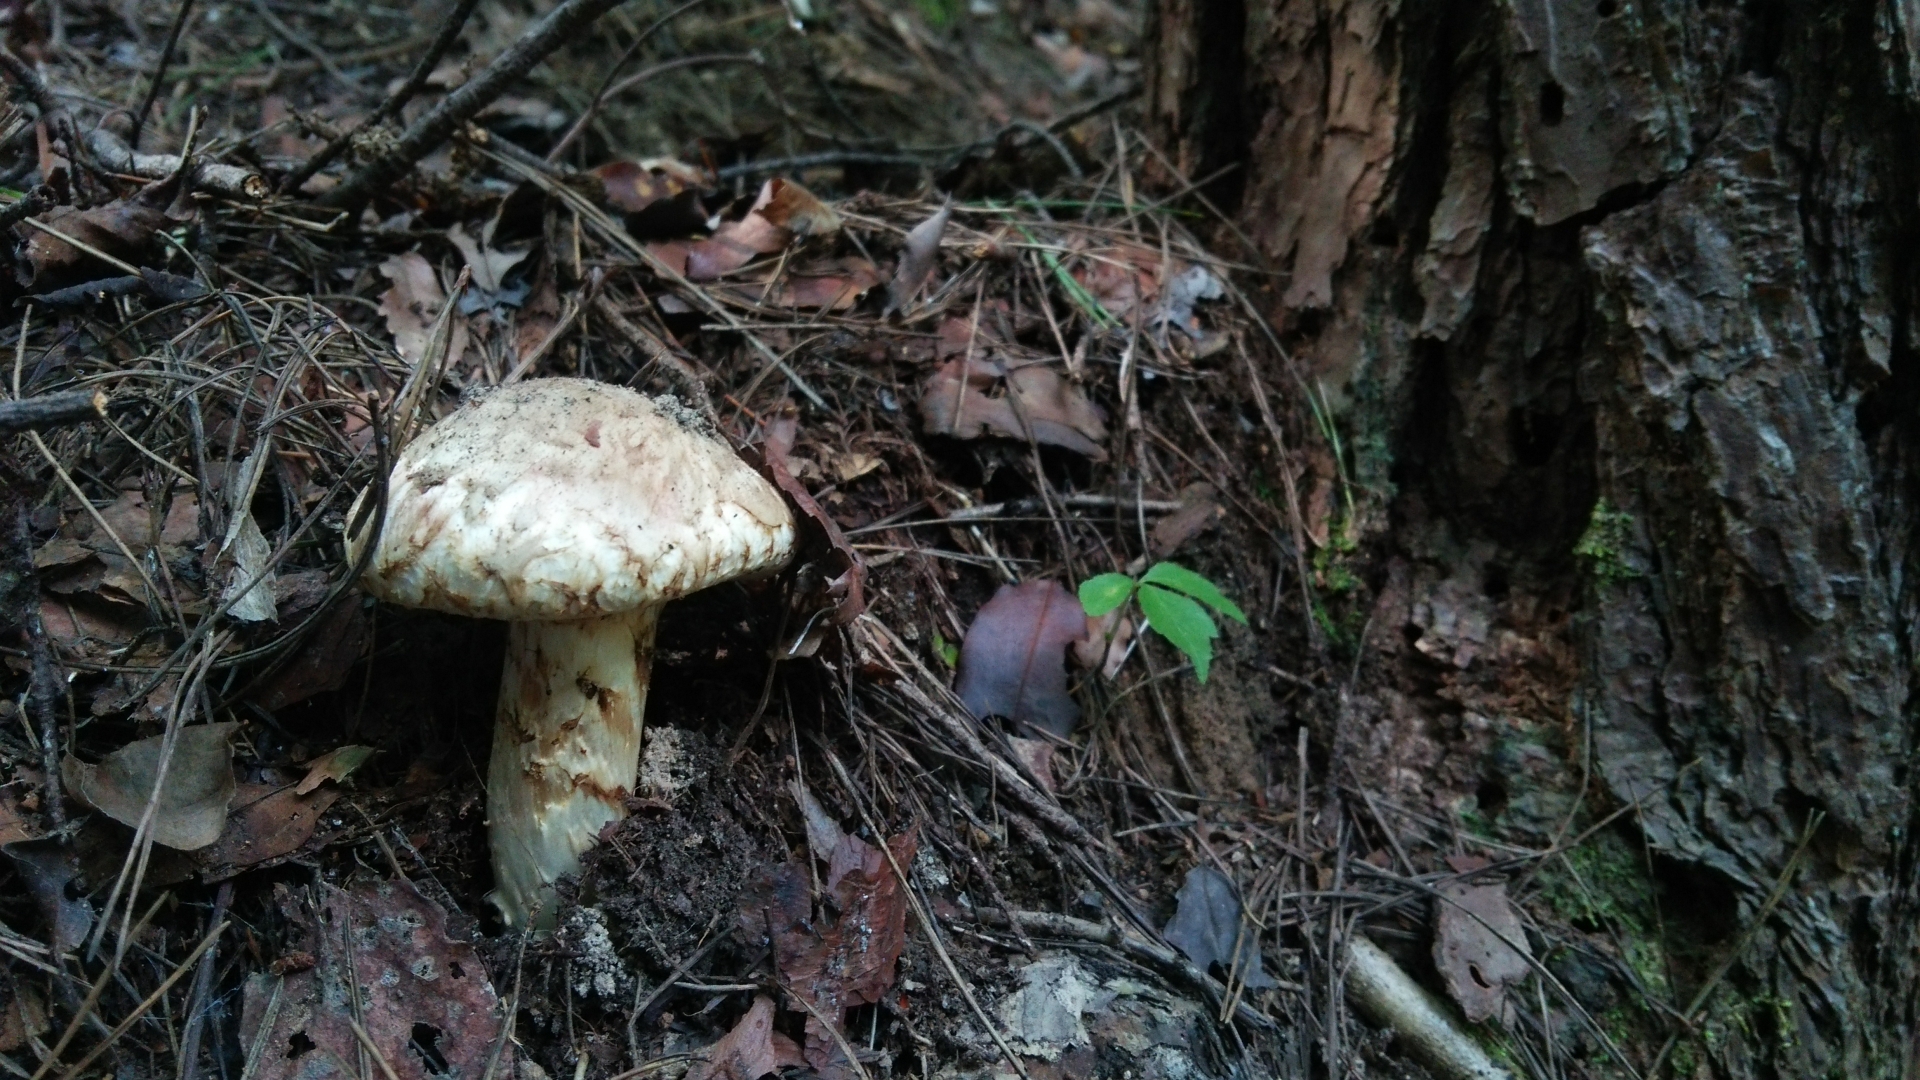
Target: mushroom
x=574, y=510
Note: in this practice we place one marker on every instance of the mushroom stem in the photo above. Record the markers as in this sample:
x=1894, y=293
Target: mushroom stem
x=566, y=748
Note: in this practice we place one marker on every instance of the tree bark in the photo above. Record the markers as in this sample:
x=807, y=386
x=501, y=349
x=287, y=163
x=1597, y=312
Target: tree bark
x=1649, y=264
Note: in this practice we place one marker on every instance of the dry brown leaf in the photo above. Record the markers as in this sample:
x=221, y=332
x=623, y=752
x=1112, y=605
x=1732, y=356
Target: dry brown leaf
x=674, y=254
x=821, y=541
x=1470, y=922
x=48, y=870
x=123, y=229
x=633, y=188
x=847, y=954
x=1013, y=661
x=490, y=266
x=411, y=305
x=1199, y=511
x=1206, y=926
x=194, y=793
x=1124, y=277
x=919, y=256
x=1104, y=648
x=267, y=823
x=733, y=245
x=1037, y=756
x=322, y=664
x=828, y=286
x=336, y=765
x=751, y=1050
x=88, y=629
x=794, y=208
x=422, y=998
x=14, y=826
x=23, y=1018
x=1038, y=403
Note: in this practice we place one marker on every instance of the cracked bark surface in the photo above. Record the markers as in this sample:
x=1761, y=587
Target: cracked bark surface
x=1660, y=253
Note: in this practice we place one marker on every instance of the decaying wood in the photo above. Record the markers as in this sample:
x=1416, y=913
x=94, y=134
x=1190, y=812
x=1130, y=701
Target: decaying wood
x=1661, y=260
x=212, y=176
x=52, y=410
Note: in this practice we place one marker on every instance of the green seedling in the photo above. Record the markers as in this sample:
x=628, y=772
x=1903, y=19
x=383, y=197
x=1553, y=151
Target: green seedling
x=1170, y=597
x=948, y=652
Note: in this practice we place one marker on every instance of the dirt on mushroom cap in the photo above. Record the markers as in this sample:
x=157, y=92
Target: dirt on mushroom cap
x=566, y=499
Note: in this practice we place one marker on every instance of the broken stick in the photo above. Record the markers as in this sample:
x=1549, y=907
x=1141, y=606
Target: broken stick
x=440, y=122
x=52, y=410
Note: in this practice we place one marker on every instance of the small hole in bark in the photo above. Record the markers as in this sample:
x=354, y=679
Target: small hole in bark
x=298, y=1046
x=458, y=971
x=425, y=1042
x=1606, y=9
x=1553, y=103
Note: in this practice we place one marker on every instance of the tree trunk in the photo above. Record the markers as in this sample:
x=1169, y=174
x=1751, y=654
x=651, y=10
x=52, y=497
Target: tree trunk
x=1635, y=276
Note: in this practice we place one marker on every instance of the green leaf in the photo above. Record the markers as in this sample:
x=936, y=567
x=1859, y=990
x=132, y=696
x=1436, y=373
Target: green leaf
x=1101, y=594
x=948, y=652
x=1181, y=579
x=1182, y=622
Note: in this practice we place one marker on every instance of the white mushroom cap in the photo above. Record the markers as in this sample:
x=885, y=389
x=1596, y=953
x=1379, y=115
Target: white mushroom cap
x=562, y=499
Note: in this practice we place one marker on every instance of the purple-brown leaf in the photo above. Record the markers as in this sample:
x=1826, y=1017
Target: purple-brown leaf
x=1013, y=662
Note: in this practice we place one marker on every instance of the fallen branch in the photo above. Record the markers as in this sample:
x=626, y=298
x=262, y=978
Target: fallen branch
x=422, y=70
x=37, y=91
x=427, y=133
x=1390, y=998
x=52, y=410
x=230, y=180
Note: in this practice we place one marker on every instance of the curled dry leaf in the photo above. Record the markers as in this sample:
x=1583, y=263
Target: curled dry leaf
x=823, y=833
x=918, y=258
x=336, y=765
x=1038, y=403
x=1104, y=648
x=198, y=785
x=751, y=1050
x=1037, y=756
x=412, y=304
x=736, y=243
x=796, y=209
x=1206, y=924
x=124, y=229
x=634, y=187
x=1013, y=661
x=490, y=266
x=423, y=999
x=846, y=955
x=1477, y=941
x=248, y=591
x=842, y=571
